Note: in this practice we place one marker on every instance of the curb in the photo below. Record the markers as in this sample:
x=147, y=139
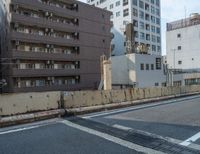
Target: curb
x=27, y=118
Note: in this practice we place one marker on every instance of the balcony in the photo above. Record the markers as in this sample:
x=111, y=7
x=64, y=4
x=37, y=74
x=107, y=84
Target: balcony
x=44, y=39
x=44, y=56
x=44, y=72
x=46, y=6
x=43, y=22
x=52, y=88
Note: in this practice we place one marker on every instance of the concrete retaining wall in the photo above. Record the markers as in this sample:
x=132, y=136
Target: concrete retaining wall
x=13, y=104
x=93, y=98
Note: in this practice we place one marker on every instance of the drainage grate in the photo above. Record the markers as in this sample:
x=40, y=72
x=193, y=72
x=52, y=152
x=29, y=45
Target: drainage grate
x=144, y=140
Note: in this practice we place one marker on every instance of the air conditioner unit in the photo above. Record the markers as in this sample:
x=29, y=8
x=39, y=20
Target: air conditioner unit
x=52, y=46
x=76, y=48
x=75, y=6
x=77, y=77
x=75, y=20
x=47, y=45
x=49, y=78
x=46, y=14
x=51, y=14
x=76, y=62
x=52, y=30
x=48, y=62
x=16, y=25
x=17, y=43
x=15, y=7
x=46, y=29
x=76, y=34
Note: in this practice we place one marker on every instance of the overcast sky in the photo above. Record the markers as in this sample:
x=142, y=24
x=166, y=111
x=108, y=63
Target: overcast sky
x=175, y=9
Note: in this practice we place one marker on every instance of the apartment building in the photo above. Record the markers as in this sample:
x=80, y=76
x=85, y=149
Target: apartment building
x=183, y=47
x=144, y=14
x=52, y=44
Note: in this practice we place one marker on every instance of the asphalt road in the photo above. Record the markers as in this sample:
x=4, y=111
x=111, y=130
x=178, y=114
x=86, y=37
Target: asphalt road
x=177, y=119
x=163, y=127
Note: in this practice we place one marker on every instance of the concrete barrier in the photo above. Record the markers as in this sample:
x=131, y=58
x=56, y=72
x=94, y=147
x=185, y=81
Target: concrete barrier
x=82, y=99
x=14, y=104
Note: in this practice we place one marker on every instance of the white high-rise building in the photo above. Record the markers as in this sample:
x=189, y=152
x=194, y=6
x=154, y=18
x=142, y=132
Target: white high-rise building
x=144, y=14
x=183, y=43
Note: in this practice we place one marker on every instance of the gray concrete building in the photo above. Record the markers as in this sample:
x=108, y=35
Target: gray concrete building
x=52, y=44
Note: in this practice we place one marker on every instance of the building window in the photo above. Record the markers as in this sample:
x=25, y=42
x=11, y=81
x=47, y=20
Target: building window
x=148, y=37
x=179, y=35
x=152, y=10
x=152, y=1
x=153, y=29
x=158, y=30
x=157, y=21
x=152, y=66
x=125, y=2
x=153, y=19
x=141, y=14
x=157, y=12
x=135, y=12
x=146, y=7
x=126, y=12
x=135, y=23
x=158, y=48
x=179, y=47
x=158, y=63
x=117, y=3
x=147, y=66
x=141, y=25
x=141, y=4
x=156, y=84
x=147, y=17
x=158, y=39
x=136, y=34
x=158, y=2
x=179, y=62
x=135, y=2
x=142, y=66
x=111, y=6
x=153, y=38
x=153, y=47
x=117, y=14
x=142, y=36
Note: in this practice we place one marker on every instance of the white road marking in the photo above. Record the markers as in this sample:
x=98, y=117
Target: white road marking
x=18, y=130
x=24, y=127
x=135, y=108
x=111, y=138
x=191, y=140
x=122, y=127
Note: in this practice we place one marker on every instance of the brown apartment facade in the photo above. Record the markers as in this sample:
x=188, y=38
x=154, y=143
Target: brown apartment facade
x=50, y=45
